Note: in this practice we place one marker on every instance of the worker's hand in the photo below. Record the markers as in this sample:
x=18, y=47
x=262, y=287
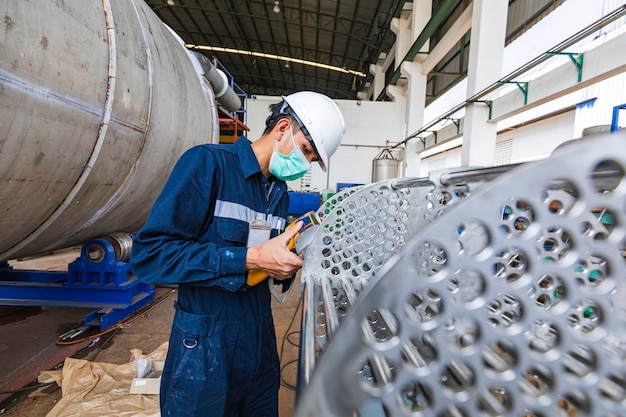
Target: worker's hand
x=274, y=256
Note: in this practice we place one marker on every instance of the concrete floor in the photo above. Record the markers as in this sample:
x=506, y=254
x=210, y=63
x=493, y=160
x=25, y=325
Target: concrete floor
x=28, y=336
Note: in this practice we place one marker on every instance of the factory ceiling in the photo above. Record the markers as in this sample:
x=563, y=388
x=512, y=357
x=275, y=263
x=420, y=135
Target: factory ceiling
x=272, y=47
x=346, y=35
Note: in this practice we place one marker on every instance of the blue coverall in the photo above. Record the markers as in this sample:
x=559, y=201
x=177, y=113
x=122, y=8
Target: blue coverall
x=222, y=358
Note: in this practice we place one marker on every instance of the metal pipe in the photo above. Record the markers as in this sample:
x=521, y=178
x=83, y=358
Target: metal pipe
x=306, y=353
x=474, y=174
x=330, y=314
x=411, y=182
x=224, y=94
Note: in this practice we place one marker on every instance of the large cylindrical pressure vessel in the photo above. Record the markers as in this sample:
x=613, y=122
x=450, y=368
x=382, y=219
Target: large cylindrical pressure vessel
x=98, y=99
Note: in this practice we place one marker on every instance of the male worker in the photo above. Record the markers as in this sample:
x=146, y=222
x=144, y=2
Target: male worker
x=222, y=358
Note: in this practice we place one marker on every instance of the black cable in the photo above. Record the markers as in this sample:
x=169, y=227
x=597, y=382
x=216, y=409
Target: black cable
x=15, y=391
x=282, y=348
x=283, y=382
x=296, y=344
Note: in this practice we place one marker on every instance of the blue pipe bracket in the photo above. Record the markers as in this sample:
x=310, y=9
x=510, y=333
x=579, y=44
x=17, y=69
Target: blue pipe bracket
x=615, y=118
x=97, y=279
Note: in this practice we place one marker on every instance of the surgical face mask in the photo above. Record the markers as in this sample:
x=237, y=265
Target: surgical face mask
x=289, y=167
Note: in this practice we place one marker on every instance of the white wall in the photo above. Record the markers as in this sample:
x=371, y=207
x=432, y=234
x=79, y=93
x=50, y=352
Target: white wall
x=369, y=125
x=538, y=140
x=523, y=144
x=448, y=159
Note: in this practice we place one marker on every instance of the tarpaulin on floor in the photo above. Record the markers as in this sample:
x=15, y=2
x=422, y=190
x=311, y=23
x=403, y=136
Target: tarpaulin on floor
x=94, y=389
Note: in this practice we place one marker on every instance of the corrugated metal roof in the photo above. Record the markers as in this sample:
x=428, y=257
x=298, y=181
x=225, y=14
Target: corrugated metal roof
x=347, y=34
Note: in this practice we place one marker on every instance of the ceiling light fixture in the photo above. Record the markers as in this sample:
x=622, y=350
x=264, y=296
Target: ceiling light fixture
x=276, y=8
x=170, y=2
x=272, y=56
x=287, y=64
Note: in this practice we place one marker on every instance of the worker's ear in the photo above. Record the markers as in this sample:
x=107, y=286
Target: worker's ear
x=281, y=128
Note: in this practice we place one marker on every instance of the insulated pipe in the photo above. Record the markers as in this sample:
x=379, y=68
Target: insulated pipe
x=224, y=94
x=97, y=103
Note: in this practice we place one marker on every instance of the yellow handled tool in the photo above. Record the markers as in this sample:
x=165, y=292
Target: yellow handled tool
x=310, y=219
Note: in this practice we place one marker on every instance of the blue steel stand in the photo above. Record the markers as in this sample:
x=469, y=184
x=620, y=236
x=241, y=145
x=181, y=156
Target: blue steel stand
x=95, y=279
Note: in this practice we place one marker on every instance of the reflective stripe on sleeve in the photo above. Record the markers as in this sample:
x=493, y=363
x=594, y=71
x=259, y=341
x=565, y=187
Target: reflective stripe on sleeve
x=236, y=211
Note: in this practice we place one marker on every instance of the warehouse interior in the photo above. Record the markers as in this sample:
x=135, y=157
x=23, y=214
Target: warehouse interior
x=471, y=253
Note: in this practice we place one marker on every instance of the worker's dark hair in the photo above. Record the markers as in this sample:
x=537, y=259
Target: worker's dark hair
x=279, y=111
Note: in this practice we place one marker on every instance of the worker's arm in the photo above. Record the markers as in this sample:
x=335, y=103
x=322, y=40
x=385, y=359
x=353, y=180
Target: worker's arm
x=274, y=256
x=167, y=250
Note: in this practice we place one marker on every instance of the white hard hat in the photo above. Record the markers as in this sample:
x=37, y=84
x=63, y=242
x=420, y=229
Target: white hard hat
x=320, y=119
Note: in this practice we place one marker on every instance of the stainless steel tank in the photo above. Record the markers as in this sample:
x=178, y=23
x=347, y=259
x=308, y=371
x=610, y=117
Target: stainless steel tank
x=384, y=166
x=97, y=101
